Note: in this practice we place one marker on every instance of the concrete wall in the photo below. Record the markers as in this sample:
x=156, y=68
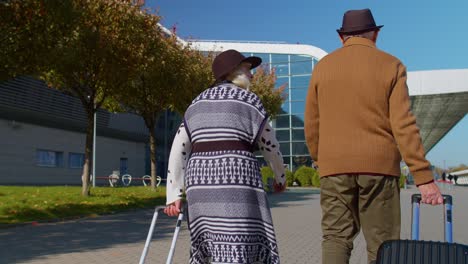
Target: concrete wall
x=20, y=141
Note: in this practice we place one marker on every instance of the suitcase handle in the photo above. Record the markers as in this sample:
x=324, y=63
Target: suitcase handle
x=415, y=204
x=157, y=210
x=416, y=198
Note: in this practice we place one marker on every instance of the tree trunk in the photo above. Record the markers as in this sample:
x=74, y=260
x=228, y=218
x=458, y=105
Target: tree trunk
x=85, y=190
x=150, y=123
x=153, y=158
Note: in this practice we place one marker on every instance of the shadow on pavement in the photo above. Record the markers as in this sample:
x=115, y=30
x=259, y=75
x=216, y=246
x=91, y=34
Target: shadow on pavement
x=293, y=196
x=26, y=243
x=31, y=242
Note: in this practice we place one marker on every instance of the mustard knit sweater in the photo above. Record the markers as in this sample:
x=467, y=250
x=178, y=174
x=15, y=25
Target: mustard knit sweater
x=358, y=117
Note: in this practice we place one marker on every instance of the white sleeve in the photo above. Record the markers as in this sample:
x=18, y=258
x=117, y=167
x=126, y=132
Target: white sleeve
x=270, y=149
x=178, y=158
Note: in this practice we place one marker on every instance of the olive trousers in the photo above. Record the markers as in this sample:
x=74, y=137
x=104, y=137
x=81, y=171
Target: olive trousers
x=353, y=201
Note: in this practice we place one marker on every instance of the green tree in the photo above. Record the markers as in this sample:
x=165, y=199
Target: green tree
x=85, y=48
x=263, y=85
x=195, y=77
x=169, y=75
x=23, y=49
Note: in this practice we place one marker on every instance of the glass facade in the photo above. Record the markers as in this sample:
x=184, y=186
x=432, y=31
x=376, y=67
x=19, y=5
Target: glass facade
x=294, y=71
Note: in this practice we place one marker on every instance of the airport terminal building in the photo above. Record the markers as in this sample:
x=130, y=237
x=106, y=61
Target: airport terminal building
x=42, y=130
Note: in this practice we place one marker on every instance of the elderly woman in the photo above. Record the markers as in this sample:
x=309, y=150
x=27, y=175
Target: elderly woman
x=228, y=213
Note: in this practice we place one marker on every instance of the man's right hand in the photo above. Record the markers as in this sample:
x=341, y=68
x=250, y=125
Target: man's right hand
x=430, y=194
x=173, y=209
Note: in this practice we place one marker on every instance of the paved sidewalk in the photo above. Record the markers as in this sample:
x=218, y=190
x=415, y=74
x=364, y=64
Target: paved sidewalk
x=120, y=238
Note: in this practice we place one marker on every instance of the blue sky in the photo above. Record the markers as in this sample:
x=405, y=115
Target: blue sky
x=425, y=35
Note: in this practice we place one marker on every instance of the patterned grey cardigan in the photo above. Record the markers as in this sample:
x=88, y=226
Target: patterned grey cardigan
x=211, y=118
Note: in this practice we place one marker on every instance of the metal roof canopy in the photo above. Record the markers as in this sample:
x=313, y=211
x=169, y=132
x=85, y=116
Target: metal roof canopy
x=439, y=100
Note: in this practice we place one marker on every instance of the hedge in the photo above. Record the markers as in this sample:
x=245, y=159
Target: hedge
x=289, y=177
x=266, y=172
x=303, y=176
x=315, y=179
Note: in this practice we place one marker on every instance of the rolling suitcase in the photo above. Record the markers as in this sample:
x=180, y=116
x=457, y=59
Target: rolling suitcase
x=415, y=251
x=150, y=235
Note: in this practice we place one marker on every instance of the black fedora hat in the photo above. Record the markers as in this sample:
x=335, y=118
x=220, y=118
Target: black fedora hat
x=355, y=21
x=228, y=60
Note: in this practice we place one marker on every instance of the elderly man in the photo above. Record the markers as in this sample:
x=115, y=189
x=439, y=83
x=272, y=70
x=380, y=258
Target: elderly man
x=358, y=126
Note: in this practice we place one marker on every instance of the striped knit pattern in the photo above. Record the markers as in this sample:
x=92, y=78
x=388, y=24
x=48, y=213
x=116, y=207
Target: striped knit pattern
x=229, y=216
x=225, y=112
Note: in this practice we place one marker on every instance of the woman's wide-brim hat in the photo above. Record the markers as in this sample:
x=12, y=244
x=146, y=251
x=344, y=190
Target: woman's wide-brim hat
x=228, y=60
x=355, y=21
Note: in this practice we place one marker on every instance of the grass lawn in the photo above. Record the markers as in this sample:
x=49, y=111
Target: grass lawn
x=20, y=204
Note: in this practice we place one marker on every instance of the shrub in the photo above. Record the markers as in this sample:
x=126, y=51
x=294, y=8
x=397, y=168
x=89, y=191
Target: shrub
x=402, y=181
x=316, y=179
x=289, y=177
x=303, y=176
x=267, y=173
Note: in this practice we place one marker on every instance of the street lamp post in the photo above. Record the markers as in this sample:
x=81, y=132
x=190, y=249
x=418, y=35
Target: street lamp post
x=94, y=150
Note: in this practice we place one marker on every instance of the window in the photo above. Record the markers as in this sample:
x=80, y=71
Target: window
x=298, y=94
x=299, y=161
x=301, y=67
x=280, y=69
x=75, y=160
x=49, y=158
x=300, y=81
x=282, y=81
x=280, y=58
x=298, y=134
x=284, y=147
x=285, y=107
x=264, y=56
x=297, y=107
x=299, y=148
x=281, y=121
x=286, y=161
x=297, y=120
x=282, y=135
x=280, y=63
